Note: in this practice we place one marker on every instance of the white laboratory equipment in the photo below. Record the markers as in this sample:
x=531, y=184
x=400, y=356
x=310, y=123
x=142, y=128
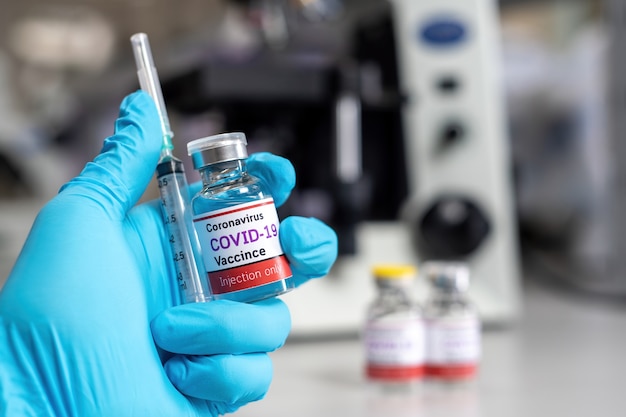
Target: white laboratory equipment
x=460, y=203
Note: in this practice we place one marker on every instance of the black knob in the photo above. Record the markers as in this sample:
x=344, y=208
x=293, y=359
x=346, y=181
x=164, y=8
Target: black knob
x=453, y=132
x=451, y=227
x=448, y=84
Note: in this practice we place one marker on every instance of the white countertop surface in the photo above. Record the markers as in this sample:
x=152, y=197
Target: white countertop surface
x=566, y=357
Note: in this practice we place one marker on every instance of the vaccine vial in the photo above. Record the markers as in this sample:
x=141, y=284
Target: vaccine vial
x=394, y=329
x=453, y=330
x=237, y=224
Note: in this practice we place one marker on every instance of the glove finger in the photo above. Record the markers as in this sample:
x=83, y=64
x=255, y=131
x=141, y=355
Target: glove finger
x=119, y=175
x=232, y=380
x=276, y=172
x=310, y=246
x=222, y=327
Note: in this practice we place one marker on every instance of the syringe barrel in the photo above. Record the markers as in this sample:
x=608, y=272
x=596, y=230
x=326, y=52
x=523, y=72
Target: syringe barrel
x=184, y=245
x=149, y=82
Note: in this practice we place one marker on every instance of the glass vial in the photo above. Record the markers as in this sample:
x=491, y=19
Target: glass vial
x=394, y=329
x=237, y=224
x=453, y=330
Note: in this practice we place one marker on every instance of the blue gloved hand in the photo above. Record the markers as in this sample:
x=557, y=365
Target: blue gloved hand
x=87, y=323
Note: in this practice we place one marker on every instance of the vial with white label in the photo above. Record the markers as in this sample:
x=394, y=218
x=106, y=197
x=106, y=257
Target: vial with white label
x=453, y=330
x=237, y=223
x=394, y=329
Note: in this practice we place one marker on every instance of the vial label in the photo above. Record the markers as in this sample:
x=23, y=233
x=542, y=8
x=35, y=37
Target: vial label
x=394, y=348
x=453, y=347
x=240, y=246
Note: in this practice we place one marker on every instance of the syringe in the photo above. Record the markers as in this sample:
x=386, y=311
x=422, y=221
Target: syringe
x=172, y=187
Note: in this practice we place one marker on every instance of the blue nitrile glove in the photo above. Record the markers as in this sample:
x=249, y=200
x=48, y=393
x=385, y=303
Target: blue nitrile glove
x=90, y=299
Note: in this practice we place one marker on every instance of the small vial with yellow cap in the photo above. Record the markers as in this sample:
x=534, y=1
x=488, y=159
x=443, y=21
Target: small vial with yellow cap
x=394, y=330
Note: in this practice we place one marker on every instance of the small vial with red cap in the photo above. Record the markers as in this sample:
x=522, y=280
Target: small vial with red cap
x=453, y=328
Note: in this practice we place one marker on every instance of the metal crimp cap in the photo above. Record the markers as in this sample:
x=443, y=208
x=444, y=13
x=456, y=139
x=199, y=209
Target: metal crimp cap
x=217, y=148
x=447, y=276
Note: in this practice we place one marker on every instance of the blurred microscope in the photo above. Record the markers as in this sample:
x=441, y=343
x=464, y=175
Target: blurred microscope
x=461, y=200
x=393, y=117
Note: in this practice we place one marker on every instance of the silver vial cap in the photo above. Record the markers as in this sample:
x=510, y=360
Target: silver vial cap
x=447, y=276
x=217, y=148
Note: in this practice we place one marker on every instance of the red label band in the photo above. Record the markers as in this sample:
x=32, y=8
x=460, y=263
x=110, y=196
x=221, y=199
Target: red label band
x=460, y=371
x=249, y=276
x=394, y=373
x=234, y=210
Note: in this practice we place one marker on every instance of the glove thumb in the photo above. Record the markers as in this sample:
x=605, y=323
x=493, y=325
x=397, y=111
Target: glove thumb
x=119, y=175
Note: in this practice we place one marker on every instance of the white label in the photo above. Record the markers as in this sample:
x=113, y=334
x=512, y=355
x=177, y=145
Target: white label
x=240, y=246
x=453, y=341
x=395, y=340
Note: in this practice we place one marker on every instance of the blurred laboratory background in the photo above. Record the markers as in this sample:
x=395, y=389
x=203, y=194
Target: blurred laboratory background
x=481, y=131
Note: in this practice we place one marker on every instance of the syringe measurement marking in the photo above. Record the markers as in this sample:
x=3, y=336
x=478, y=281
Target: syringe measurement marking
x=181, y=281
x=178, y=256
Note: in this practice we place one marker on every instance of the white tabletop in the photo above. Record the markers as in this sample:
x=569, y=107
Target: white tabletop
x=565, y=358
